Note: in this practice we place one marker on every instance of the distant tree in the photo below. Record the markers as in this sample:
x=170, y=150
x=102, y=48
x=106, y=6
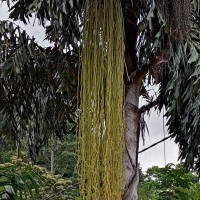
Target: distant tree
x=7, y=150
x=168, y=183
x=64, y=156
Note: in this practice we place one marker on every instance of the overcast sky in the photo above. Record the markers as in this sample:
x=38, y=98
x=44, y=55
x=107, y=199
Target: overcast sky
x=151, y=157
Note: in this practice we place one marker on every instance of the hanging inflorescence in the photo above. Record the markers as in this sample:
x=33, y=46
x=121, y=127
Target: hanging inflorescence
x=177, y=14
x=101, y=130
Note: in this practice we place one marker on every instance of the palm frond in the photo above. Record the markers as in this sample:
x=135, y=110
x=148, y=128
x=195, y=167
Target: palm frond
x=63, y=19
x=38, y=87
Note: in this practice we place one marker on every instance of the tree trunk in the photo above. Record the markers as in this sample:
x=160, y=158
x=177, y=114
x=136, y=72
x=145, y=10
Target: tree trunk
x=132, y=129
x=52, y=161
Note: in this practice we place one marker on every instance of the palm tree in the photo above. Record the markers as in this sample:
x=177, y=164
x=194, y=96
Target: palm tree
x=162, y=45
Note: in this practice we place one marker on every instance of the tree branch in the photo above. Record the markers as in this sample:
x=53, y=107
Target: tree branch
x=159, y=58
x=155, y=144
x=140, y=73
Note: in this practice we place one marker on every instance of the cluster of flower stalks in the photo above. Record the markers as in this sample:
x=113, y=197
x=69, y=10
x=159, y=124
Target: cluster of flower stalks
x=179, y=21
x=101, y=128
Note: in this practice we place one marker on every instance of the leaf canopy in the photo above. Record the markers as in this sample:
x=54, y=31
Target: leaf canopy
x=38, y=87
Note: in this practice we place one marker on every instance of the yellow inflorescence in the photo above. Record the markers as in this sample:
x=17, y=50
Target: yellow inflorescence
x=101, y=130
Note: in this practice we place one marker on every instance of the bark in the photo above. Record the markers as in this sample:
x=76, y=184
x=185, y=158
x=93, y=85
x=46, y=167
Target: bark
x=130, y=158
x=52, y=161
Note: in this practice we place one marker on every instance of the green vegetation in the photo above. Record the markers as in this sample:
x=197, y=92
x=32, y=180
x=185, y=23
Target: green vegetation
x=169, y=183
x=24, y=181
x=64, y=156
x=18, y=181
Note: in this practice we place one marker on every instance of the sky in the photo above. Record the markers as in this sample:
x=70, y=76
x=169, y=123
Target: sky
x=154, y=156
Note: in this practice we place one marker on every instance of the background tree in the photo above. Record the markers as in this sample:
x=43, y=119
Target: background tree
x=170, y=182
x=161, y=47
x=20, y=179
x=65, y=156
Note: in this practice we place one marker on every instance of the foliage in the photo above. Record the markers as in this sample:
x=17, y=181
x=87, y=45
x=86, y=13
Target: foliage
x=50, y=186
x=6, y=149
x=65, y=156
x=35, y=182
x=56, y=187
x=168, y=183
x=183, y=90
x=18, y=181
x=62, y=16
x=179, y=79
x=34, y=83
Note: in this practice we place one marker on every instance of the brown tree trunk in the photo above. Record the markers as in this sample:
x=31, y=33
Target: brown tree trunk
x=132, y=129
